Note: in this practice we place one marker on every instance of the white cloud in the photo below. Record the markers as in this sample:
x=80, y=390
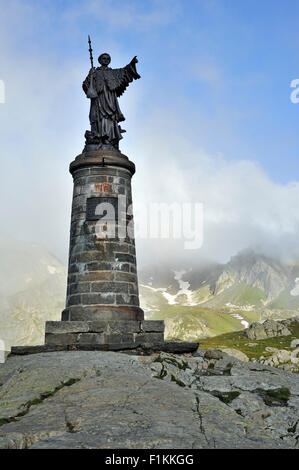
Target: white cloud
x=126, y=15
x=242, y=206
x=42, y=127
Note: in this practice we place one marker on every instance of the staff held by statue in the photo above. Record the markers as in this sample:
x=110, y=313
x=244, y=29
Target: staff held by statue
x=91, y=92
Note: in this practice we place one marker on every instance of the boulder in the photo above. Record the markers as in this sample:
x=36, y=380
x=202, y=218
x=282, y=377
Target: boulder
x=295, y=356
x=268, y=329
x=213, y=354
x=295, y=343
x=236, y=354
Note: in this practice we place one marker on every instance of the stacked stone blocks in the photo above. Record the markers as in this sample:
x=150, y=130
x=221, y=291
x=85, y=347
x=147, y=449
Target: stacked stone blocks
x=129, y=333
x=102, y=263
x=102, y=306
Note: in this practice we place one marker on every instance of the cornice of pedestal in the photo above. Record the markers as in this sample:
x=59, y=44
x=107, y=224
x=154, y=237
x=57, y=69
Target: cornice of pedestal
x=102, y=158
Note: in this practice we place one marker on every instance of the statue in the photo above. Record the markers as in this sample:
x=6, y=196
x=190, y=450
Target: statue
x=103, y=86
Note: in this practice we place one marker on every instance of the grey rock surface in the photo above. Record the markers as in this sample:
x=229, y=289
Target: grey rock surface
x=282, y=358
x=236, y=353
x=95, y=399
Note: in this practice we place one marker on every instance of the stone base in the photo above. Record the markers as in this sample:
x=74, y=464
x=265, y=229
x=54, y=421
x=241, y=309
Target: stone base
x=102, y=332
x=132, y=337
x=128, y=348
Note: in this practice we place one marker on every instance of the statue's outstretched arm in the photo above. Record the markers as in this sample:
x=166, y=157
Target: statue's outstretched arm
x=131, y=69
x=119, y=79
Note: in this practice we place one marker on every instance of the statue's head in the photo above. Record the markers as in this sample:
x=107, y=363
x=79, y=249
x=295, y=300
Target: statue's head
x=104, y=59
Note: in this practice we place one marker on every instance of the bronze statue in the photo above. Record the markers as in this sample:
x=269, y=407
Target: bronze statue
x=103, y=86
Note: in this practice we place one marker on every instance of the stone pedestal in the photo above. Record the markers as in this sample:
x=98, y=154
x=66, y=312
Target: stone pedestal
x=102, y=304
x=102, y=307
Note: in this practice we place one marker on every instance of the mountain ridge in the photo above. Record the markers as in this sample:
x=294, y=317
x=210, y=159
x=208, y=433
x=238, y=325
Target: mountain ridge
x=200, y=301
x=250, y=287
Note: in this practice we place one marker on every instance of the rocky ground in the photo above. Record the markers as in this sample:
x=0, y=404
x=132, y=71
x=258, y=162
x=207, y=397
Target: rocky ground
x=273, y=343
x=84, y=399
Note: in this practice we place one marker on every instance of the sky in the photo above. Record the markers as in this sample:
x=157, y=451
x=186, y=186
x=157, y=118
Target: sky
x=210, y=121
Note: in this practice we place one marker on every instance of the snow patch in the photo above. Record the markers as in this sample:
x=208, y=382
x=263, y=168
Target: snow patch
x=295, y=291
x=170, y=298
x=246, y=308
x=241, y=319
x=184, y=289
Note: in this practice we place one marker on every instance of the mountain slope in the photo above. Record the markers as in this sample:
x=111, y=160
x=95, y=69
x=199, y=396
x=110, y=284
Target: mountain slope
x=250, y=287
x=32, y=290
x=200, y=302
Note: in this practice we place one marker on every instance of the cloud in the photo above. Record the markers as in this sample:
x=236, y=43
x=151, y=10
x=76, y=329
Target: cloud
x=119, y=15
x=242, y=206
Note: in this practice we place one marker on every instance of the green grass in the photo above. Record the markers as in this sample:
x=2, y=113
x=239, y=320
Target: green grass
x=275, y=397
x=202, y=294
x=285, y=301
x=239, y=294
x=238, y=340
x=251, y=316
x=226, y=397
x=208, y=321
x=189, y=319
x=280, y=393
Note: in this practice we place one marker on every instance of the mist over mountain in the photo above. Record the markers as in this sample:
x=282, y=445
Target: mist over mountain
x=218, y=298
x=32, y=290
x=196, y=299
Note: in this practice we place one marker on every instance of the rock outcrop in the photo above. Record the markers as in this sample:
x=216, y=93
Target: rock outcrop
x=268, y=329
x=84, y=399
x=287, y=360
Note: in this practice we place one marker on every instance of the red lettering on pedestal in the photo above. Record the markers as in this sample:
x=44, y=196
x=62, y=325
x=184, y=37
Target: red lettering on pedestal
x=102, y=187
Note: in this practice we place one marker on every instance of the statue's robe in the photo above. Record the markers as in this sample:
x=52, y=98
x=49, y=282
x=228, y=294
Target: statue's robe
x=105, y=113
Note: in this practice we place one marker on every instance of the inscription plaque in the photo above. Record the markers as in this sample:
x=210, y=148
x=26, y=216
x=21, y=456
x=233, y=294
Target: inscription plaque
x=98, y=208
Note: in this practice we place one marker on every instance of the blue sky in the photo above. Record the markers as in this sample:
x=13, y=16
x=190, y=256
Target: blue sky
x=214, y=96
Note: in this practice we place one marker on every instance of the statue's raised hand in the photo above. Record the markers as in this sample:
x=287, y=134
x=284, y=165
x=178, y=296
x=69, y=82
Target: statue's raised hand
x=134, y=60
